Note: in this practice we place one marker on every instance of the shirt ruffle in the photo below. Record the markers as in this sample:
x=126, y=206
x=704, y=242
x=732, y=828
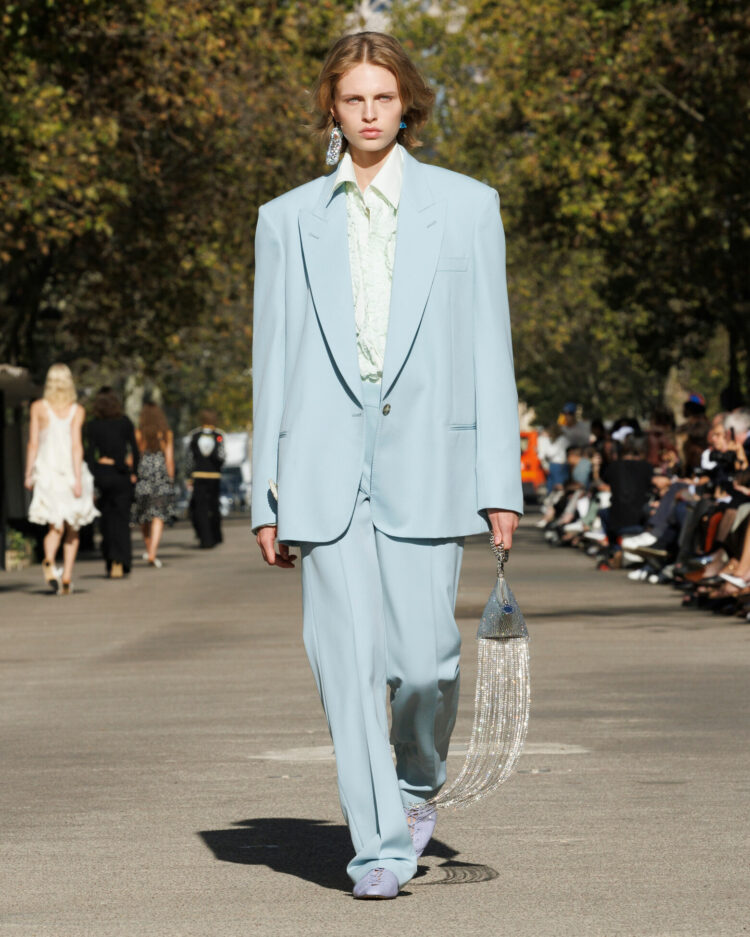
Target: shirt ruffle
x=371, y=227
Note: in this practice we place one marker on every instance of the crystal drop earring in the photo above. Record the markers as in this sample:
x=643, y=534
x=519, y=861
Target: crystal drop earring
x=334, y=145
x=402, y=125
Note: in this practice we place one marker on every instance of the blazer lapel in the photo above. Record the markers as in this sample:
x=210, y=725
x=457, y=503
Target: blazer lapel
x=323, y=232
x=418, y=238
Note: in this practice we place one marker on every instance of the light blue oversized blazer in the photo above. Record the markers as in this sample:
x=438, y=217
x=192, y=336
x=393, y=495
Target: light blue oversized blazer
x=448, y=443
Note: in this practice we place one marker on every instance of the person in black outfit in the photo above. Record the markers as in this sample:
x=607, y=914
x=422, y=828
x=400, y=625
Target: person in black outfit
x=112, y=456
x=629, y=479
x=205, y=456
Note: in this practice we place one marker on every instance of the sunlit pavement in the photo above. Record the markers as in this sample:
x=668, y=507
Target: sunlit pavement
x=166, y=768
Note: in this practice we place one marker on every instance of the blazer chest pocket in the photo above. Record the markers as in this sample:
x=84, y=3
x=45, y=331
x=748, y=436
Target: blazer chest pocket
x=453, y=264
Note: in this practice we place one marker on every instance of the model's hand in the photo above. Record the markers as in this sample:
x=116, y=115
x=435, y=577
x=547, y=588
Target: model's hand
x=503, y=524
x=28, y=483
x=266, y=540
x=77, y=489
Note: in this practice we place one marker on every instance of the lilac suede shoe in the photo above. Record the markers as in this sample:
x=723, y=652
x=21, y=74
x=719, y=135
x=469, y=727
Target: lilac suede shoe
x=378, y=883
x=421, y=827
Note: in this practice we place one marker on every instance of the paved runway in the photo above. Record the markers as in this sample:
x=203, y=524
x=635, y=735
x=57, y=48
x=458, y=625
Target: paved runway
x=166, y=768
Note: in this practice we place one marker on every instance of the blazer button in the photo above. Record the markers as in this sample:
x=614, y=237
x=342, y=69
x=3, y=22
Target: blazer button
x=386, y=409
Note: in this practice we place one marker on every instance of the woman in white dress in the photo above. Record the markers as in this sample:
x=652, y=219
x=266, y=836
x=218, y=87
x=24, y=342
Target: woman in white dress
x=55, y=471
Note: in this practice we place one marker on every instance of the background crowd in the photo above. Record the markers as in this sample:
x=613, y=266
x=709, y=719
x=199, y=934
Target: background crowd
x=670, y=502
x=104, y=467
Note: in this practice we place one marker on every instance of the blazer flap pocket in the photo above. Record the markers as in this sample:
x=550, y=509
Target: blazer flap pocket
x=453, y=263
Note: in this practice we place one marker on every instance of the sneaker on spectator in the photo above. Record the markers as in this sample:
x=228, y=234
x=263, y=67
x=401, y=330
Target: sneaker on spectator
x=639, y=540
x=652, y=554
x=631, y=559
x=597, y=535
x=574, y=527
x=639, y=575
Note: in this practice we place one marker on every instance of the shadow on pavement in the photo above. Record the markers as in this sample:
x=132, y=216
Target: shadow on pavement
x=318, y=851
x=452, y=871
x=42, y=591
x=310, y=849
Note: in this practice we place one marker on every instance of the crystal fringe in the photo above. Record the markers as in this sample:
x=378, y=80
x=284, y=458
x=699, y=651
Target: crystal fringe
x=501, y=718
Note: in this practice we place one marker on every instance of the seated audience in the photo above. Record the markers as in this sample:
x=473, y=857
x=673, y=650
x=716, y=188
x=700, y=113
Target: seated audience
x=674, y=504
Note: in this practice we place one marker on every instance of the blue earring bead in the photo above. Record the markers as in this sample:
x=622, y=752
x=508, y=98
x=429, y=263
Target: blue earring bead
x=402, y=125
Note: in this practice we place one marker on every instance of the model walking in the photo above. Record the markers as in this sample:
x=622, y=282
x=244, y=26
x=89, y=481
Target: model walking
x=63, y=489
x=385, y=421
x=112, y=456
x=154, y=490
x=203, y=461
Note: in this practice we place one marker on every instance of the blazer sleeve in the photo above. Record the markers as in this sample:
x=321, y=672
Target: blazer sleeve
x=498, y=434
x=269, y=336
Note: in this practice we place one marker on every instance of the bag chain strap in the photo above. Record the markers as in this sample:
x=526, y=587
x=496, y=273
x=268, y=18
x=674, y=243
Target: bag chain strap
x=501, y=553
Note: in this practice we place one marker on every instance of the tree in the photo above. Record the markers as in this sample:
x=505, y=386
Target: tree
x=617, y=134
x=137, y=141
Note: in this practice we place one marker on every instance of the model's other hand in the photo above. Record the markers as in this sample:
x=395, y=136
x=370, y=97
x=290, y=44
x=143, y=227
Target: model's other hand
x=77, y=489
x=266, y=540
x=503, y=524
x=28, y=483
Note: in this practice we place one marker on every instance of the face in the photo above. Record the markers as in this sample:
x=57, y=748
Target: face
x=368, y=107
x=717, y=437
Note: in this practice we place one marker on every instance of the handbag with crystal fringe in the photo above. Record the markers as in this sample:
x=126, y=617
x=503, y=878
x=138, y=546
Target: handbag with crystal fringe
x=501, y=700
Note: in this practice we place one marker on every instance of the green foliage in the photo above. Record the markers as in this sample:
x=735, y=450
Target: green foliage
x=15, y=540
x=139, y=137
x=617, y=135
x=137, y=140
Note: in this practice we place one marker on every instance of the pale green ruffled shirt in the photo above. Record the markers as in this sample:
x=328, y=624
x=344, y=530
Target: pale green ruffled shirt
x=372, y=217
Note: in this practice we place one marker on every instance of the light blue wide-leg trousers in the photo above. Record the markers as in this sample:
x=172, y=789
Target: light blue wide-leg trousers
x=379, y=612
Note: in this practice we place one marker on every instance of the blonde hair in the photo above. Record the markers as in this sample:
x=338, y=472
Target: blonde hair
x=380, y=49
x=59, y=386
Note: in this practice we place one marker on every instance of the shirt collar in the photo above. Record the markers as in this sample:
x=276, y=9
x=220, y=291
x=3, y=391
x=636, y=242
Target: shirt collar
x=387, y=182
